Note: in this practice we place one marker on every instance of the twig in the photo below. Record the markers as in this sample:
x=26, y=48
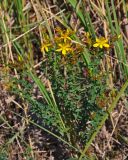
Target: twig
x=30, y=30
x=113, y=130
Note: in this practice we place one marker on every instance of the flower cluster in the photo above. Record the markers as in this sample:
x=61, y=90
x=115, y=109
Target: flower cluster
x=101, y=42
x=64, y=43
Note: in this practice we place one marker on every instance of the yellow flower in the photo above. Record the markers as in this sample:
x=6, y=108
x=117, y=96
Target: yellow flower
x=45, y=47
x=66, y=35
x=64, y=48
x=101, y=42
x=63, y=35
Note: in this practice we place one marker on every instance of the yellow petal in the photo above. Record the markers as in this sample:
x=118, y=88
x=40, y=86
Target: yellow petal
x=60, y=45
x=106, y=45
x=48, y=44
x=96, y=45
x=42, y=49
x=46, y=49
x=101, y=46
x=105, y=41
x=65, y=39
x=58, y=50
x=97, y=40
x=88, y=35
x=69, y=38
x=64, y=52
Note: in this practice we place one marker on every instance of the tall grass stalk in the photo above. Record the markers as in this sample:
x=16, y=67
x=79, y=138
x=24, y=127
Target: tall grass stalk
x=106, y=115
x=115, y=29
x=50, y=100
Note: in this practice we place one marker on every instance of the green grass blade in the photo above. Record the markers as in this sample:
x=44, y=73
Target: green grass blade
x=42, y=89
x=119, y=47
x=105, y=117
x=49, y=132
x=51, y=102
x=78, y=11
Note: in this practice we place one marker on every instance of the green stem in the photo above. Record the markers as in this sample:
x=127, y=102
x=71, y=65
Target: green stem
x=110, y=109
